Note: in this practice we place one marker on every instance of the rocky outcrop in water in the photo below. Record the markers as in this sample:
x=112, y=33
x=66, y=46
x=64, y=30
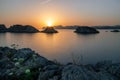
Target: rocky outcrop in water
x=3, y=28
x=115, y=30
x=49, y=30
x=18, y=29
x=25, y=64
x=22, y=29
x=86, y=30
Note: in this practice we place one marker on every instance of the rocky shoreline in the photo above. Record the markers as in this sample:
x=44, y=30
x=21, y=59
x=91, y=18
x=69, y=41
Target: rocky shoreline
x=26, y=64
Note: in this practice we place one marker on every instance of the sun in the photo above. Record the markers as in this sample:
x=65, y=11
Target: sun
x=49, y=23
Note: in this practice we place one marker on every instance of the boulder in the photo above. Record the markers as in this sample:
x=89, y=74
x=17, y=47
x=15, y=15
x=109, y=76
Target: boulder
x=114, y=69
x=3, y=28
x=86, y=30
x=49, y=30
x=50, y=72
x=22, y=29
x=74, y=72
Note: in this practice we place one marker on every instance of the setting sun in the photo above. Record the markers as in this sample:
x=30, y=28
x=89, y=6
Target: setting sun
x=49, y=23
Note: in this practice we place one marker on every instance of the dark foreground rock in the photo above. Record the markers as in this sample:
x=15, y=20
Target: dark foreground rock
x=49, y=30
x=86, y=30
x=22, y=29
x=25, y=64
x=3, y=28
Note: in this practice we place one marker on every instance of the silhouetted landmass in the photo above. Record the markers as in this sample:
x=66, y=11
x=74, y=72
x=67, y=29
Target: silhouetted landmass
x=25, y=64
x=97, y=27
x=22, y=29
x=3, y=29
x=49, y=30
x=107, y=27
x=115, y=30
x=86, y=30
x=18, y=29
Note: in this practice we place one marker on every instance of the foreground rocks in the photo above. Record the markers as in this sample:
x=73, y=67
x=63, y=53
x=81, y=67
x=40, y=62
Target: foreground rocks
x=25, y=64
x=86, y=30
x=49, y=30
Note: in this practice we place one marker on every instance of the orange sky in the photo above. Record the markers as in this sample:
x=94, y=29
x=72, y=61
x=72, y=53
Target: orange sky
x=60, y=12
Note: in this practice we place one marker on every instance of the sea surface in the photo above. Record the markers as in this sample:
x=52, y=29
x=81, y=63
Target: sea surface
x=67, y=46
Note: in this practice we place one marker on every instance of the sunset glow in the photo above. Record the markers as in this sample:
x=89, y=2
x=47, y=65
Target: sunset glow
x=49, y=23
x=64, y=12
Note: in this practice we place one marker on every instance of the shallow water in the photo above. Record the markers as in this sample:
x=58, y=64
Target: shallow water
x=66, y=45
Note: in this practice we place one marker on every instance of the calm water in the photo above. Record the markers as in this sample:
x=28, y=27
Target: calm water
x=66, y=45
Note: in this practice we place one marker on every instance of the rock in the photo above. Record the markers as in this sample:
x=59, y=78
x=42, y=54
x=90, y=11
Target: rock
x=49, y=30
x=50, y=72
x=104, y=75
x=114, y=69
x=86, y=30
x=103, y=65
x=21, y=64
x=73, y=72
x=5, y=63
x=25, y=64
x=37, y=62
x=115, y=30
x=51, y=67
x=23, y=53
x=22, y=29
x=46, y=75
x=3, y=29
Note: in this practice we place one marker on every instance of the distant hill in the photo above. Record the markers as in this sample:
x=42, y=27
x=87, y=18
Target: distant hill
x=97, y=27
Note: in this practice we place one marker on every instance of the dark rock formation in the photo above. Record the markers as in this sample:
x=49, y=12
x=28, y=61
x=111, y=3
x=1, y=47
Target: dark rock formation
x=49, y=30
x=3, y=28
x=22, y=29
x=25, y=64
x=21, y=64
x=115, y=30
x=86, y=30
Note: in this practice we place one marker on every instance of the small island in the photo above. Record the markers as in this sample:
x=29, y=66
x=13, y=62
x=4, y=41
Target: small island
x=3, y=29
x=86, y=30
x=115, y=30
x=22, y=29
x=49, y=30
x=18, y=29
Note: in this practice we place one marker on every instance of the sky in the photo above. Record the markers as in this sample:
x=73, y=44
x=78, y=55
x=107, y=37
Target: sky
x=60, y=12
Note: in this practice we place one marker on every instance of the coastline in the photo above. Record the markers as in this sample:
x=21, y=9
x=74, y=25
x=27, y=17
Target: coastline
x=26, y=64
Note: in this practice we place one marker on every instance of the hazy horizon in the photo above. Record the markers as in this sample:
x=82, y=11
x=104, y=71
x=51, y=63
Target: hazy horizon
x=60, y=12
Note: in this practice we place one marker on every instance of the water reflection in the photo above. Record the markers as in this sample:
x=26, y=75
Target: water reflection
x=60, y=46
